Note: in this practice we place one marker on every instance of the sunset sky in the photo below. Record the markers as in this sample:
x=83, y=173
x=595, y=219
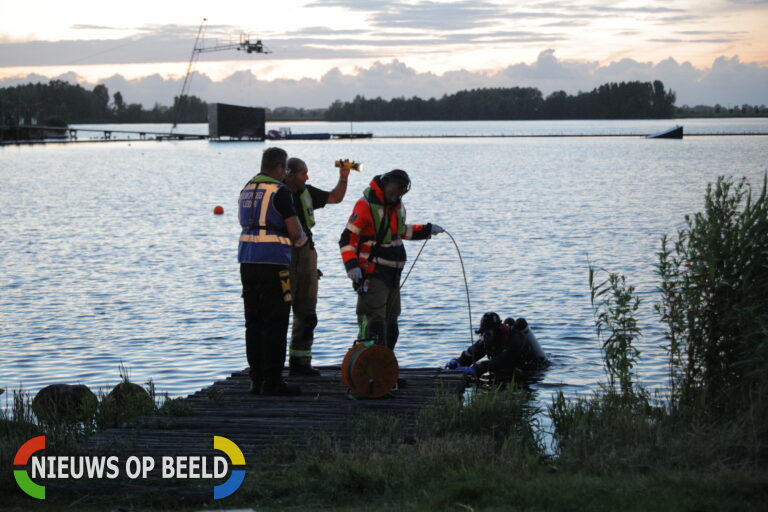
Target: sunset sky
x=317, y=39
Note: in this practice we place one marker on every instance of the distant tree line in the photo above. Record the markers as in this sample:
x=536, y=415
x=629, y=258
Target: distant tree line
x=295, y=114
x=59, y=103
x=721, y=111
x=624, y=100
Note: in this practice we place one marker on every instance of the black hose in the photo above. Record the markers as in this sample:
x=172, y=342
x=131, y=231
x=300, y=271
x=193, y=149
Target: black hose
x=463, y=272
x=414, y=263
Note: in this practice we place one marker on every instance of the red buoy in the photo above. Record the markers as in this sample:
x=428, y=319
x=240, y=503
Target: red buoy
x=218, y=210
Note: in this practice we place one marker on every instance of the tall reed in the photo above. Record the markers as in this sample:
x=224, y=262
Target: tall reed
x=714, y=300
x=615, y=306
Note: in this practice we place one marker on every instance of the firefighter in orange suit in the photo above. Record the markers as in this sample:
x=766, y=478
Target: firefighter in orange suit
x=374, y=256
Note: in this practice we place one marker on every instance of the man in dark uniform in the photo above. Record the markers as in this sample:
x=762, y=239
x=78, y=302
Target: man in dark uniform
x=510, y=346
x=304, y=273
x=269, y=228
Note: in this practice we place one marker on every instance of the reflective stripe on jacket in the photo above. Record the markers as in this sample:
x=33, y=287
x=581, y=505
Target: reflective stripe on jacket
x=264, y=237
x=359, y=237
x=305, y=198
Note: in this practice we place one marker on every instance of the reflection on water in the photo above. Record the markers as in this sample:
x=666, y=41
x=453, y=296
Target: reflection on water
x=110, y=252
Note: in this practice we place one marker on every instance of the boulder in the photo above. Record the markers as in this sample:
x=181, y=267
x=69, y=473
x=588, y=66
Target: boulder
x=126, y=402
x=64, y=402
x=131, y=396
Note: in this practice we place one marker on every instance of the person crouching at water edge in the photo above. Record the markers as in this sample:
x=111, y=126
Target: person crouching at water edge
x=374, y=256
x=269, y=228
x=304, y=272
x=510, y=346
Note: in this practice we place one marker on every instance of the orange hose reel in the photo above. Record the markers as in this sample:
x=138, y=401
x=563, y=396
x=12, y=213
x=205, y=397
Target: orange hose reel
x=369, y=370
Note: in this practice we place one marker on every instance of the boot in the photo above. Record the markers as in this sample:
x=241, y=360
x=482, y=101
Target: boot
x=299, y=368
x=279, y=388
x=256, y=383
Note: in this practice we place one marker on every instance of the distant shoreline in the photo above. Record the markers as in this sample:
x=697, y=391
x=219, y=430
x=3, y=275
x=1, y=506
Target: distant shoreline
x=296, y=120
x=387, y=137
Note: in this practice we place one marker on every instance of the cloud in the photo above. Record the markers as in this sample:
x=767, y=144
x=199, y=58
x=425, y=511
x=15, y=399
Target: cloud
x=401, y=28
x=149, y=44
x=567, y=23
x=704, y=40
x=80, y=26
x=468, y=14
x=173, y=43
x=728, y=81
x=541, y=14
x=425, y=15
x=709, y=32
x=154, y=47
x=323, y=31
x=683, y=18
x=634, y=10
x=352, y=5
x=439, y=16
x=714, y=40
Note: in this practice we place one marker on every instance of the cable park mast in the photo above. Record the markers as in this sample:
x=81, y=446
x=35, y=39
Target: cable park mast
x=245, y=45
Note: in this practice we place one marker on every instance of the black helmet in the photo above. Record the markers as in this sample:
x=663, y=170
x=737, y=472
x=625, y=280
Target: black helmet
x=490, y=328
x=490, y=321
x=398, y=176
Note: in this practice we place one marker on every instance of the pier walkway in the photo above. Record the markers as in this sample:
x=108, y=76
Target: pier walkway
x=70, y=136
x=256, y=423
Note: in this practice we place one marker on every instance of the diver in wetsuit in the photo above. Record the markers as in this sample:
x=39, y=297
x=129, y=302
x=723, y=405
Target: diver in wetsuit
x=510, y=347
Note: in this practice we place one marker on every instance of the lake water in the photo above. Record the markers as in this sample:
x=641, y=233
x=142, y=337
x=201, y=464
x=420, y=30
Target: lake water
x=110, y=253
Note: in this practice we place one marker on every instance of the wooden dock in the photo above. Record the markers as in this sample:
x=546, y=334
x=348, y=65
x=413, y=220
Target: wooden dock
x=256, y=423
x=39, y=134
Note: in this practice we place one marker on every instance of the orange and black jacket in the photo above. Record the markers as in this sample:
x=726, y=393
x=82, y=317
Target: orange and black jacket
x=375, y=232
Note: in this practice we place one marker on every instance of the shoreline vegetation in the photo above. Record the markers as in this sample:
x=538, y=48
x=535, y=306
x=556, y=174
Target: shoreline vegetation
x=703, y=446
x=59, y=103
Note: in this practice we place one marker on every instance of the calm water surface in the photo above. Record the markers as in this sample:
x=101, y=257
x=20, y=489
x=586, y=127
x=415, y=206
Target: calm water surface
x=110, y=253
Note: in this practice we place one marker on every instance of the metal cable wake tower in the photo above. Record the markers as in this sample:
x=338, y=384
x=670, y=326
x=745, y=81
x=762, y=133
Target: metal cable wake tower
x=245, y=45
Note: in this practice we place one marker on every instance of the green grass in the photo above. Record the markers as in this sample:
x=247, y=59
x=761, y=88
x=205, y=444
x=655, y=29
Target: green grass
x=486, y=454
x=462, y=491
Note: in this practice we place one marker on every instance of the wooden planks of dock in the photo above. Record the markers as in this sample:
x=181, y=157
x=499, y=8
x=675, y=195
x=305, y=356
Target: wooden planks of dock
x=256, y=423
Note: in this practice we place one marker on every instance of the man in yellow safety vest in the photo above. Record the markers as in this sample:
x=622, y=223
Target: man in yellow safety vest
x=304, y=272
